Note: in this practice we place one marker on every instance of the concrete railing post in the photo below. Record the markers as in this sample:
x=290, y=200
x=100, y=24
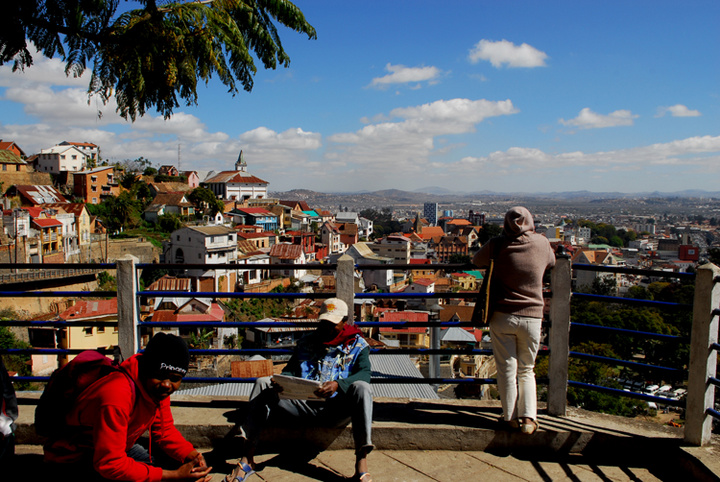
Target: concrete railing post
x=127, y=305
x=559, y=337
x=703, y=358
x=345, y=284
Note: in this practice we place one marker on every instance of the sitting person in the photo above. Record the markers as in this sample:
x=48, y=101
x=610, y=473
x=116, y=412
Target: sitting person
x=337, y=355
x=110, y=416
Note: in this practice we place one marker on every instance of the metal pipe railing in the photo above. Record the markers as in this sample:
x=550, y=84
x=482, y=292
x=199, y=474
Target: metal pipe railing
x=559, y=325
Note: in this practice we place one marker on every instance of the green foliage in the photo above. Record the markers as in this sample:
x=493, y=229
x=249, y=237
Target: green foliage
x=106, y=282
x=201, y=339
x=119, y=212
x=604, y=286
x=383, y=222
x=150, y=275
x=602, y=233
x=149, y=56
x=489, y=231
x=16, y=363
x=257, y=309
x=458, y=258
x=205, y=201
x=714, y=256
x=168, y=178
x=168, y=223
x=624, y=346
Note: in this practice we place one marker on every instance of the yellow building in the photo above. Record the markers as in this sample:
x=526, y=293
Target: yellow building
x=83, y=337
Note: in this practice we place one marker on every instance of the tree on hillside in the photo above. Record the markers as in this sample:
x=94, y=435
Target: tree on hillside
x=147, y=57
x=488, y=231
x=205, y=201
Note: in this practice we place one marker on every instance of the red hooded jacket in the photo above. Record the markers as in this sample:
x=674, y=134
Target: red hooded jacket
x=110, y=420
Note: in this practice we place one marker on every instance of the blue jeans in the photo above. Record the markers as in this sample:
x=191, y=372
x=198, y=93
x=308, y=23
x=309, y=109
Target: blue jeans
x=355, y=405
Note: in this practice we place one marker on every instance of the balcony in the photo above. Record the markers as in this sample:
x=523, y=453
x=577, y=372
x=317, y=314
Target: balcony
x=441, y=439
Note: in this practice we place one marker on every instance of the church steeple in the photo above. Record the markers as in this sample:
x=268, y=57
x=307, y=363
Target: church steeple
x=418, y=224
x=240, y=165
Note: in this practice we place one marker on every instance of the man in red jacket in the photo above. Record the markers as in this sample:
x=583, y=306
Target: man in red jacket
x=110, y=416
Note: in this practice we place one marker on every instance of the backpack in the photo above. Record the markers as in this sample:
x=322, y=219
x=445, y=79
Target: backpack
x=66, y=384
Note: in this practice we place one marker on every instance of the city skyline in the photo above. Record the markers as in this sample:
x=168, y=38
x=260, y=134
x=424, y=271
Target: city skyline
x=483, y=96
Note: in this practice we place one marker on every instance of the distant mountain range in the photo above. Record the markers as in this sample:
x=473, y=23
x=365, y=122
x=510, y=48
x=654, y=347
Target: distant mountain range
x=440, y=194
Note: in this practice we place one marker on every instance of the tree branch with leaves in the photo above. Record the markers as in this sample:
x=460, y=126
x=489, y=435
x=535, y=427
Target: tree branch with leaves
x=153, y=56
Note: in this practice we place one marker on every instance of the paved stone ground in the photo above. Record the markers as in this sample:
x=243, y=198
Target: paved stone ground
x=414, y=466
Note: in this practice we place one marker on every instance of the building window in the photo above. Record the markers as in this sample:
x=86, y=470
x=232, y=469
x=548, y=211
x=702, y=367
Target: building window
x=88, y=330
x=101, y=329
x=74, y=157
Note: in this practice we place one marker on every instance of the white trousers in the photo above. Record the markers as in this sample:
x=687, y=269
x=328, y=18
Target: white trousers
x=515, y=342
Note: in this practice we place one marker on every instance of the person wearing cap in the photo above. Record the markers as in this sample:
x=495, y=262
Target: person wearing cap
x=337, y=355
x=521, y=257
x=111, y=415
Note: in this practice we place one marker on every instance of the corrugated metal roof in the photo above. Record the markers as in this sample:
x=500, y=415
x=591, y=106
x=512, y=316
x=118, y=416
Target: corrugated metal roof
x=456, y=334
x=383, y=366
x=286, y=251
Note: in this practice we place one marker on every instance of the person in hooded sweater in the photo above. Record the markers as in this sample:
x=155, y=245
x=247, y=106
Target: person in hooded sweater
x=521, y=257
x=110, y=416
x=337, y=355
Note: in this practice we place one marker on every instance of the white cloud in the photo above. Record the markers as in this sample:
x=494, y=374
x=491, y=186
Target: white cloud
x=505, y=52
x=587, y=119
x=399, y=74
x=693, y=152
x=678, y=110
x=411, y=139
x=42, y=71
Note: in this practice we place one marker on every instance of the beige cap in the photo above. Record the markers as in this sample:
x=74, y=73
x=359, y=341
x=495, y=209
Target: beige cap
x=334, y=310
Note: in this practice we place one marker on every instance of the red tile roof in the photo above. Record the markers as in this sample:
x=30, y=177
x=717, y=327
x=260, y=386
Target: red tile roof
x=46, y=222
x=235, y=176
x=424, y=281
x=404, y=316
x=84, y=310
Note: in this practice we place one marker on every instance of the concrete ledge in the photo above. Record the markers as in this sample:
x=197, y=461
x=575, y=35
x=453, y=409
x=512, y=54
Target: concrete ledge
x=410, y=424
x=441, y=425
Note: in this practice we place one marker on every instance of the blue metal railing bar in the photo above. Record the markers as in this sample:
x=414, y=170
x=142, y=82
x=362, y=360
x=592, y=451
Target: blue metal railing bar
x=623, y=393
x=616, y=361
x=628, y=270
x=289, y=351
x=713, y=413
x=237, y=294
x=715, y=346
x=644, y=334
x=374, y=379
x=629, y=301
x=716, y=312
x=714, y=380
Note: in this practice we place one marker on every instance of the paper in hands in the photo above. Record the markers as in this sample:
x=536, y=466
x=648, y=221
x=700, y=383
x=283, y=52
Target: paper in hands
x=294, y=388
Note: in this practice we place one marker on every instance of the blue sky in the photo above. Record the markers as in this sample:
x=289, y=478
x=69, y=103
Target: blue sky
x=511, y=96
